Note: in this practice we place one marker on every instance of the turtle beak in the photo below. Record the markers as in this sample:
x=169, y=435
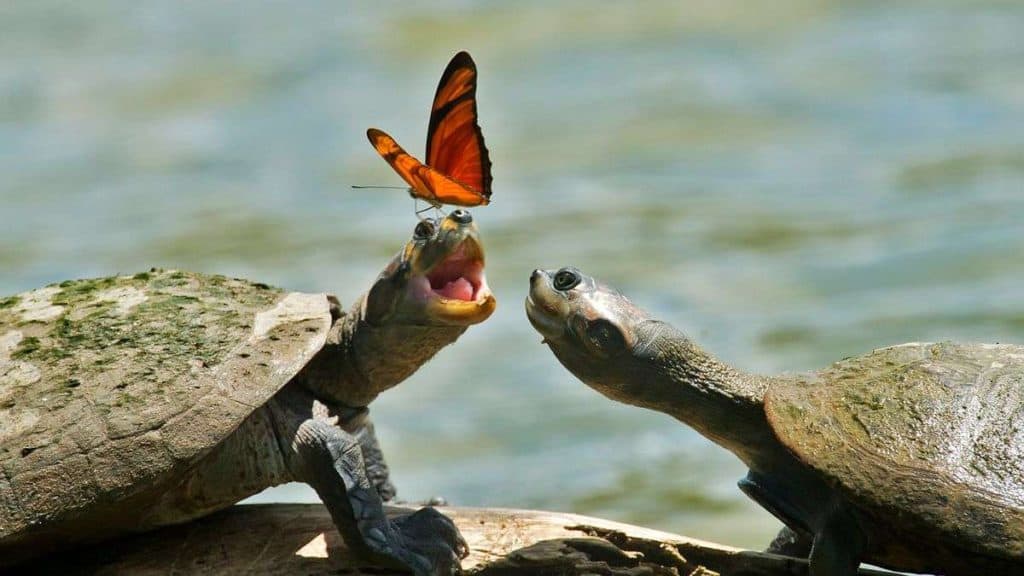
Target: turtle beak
x=458, y=290
x=453, y=288
x=545, y=307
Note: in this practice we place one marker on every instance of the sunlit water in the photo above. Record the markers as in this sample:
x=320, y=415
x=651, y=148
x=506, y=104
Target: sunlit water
x=789, y=184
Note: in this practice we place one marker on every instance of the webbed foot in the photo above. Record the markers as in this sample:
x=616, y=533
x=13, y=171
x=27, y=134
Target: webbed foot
x=425, y=540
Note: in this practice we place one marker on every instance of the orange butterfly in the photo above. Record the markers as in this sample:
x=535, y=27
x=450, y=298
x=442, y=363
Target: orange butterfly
x=458, y=168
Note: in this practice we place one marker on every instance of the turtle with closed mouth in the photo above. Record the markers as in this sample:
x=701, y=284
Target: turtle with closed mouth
x=133, y=402
x=910, y=457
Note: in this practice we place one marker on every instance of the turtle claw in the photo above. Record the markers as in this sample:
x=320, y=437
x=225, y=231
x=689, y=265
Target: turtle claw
x=425, y=541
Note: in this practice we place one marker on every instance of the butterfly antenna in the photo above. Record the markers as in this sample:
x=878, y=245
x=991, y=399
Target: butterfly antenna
x=380, y=187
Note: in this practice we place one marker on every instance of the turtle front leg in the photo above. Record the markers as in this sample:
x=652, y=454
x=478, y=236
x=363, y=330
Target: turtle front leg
x=376, y=468
x=838, y=546
x=331, y=461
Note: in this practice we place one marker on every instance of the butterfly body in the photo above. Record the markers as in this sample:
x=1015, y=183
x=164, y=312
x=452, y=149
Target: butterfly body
x=458, y=166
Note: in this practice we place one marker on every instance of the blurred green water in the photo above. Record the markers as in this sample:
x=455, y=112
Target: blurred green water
x=790, y=183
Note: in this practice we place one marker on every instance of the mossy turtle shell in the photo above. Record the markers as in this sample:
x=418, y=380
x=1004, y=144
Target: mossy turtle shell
x=927, y=436
x=111, y=385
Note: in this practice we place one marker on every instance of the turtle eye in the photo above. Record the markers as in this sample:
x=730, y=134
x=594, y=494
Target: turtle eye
x=424, y=230
x=566, y=279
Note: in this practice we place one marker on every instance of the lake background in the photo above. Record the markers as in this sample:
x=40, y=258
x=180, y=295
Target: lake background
x=789, y=183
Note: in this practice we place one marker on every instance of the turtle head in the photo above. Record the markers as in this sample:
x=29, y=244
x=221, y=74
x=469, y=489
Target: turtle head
x=426, y=297
x=437, y=279
x=593, y=330
x=618, y=349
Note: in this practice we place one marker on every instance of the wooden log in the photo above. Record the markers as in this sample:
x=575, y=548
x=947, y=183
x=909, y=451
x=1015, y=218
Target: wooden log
x=289, y=539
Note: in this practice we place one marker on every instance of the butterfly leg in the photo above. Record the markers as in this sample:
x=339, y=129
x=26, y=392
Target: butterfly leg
x=419, y=211
x=438, y=212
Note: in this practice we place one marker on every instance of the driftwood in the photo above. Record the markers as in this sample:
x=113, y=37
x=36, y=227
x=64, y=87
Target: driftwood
x=280, y=539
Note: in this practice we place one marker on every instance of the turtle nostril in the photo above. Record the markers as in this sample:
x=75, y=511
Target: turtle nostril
x=535, y=276
x=462, y=216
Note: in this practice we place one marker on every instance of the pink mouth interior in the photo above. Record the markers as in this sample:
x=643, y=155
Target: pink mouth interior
x=458, y=277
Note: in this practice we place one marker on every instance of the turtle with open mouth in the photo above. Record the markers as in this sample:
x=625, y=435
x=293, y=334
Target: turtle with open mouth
x=133, y=402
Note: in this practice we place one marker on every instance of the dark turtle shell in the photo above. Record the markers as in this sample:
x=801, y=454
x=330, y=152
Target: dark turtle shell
x=929, y=435
x=113, y=384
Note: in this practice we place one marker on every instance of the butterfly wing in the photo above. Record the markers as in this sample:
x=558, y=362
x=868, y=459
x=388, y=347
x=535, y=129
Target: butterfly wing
x=424, y=181
x=455, y=144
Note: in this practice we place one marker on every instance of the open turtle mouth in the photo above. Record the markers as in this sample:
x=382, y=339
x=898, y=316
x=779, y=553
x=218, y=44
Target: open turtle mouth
x=455, y=289
x=460, y=276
